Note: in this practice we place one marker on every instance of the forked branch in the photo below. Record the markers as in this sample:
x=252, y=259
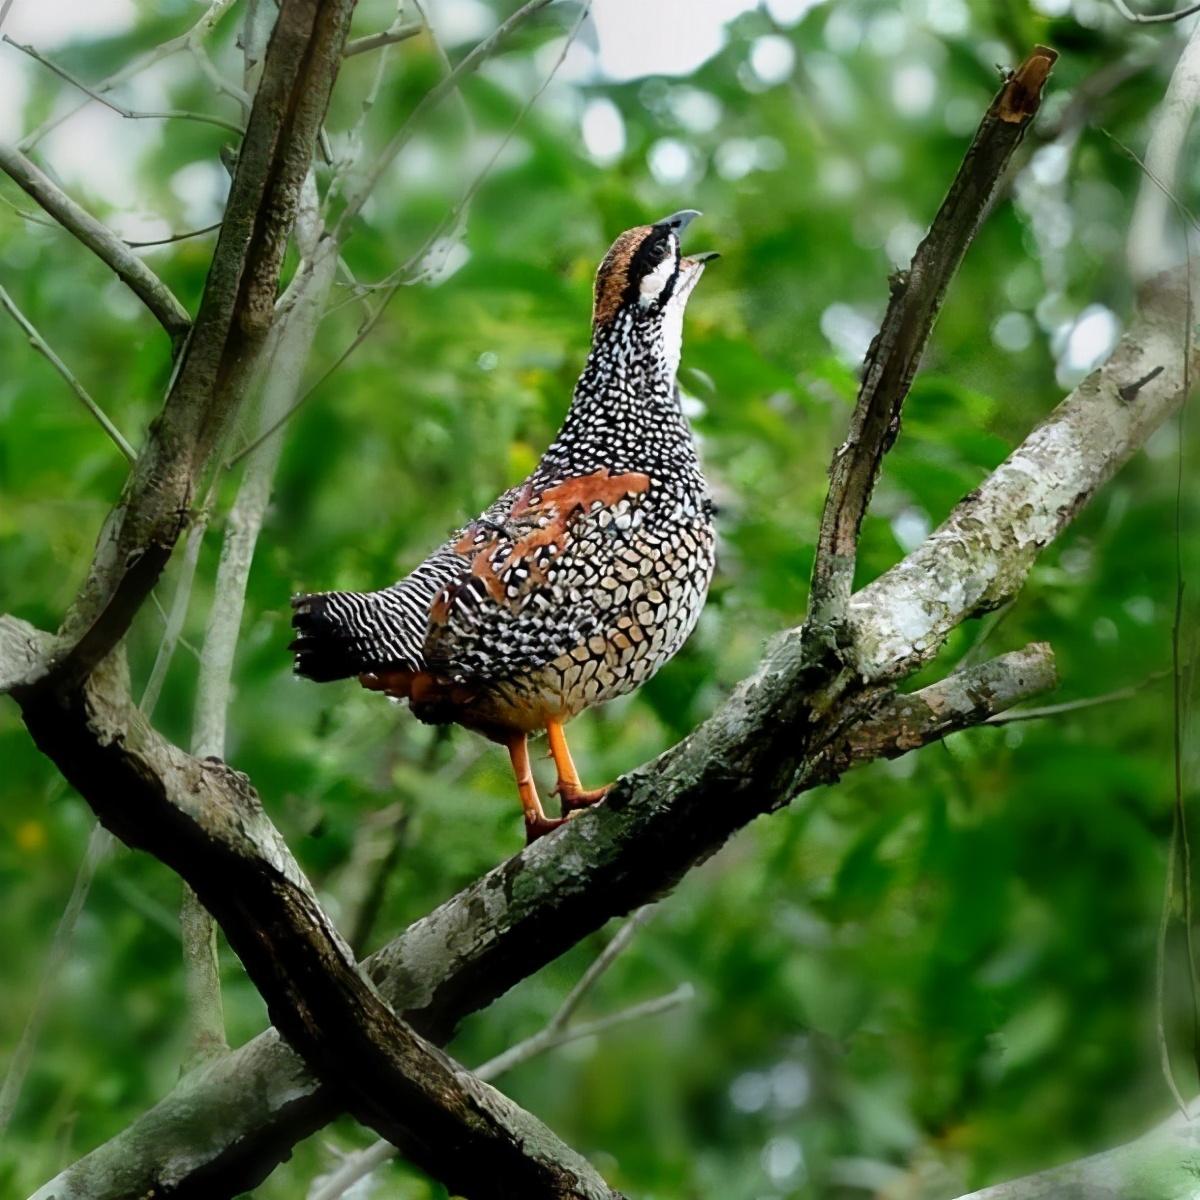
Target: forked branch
x=892, y=360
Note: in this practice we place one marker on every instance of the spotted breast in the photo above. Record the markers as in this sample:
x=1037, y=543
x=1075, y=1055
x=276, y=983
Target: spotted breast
x=575, y=586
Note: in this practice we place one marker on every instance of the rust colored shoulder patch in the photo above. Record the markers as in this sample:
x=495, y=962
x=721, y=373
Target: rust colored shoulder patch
x=559, y=505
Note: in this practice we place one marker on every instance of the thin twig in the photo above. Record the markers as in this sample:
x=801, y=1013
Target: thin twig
x=175, y=237
x=1068, y=706
x=174, y=114
x=398, y=278
x=195, y=35
x=1154, y=18
x=356, y=1166
x=43, y=348
x=101, y=240
x=430, y=100
x=600, y=964
x=400, y=32
x=99, y=844
x=892, y=360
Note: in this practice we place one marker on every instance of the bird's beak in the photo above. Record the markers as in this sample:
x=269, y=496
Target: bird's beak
x=679, y=221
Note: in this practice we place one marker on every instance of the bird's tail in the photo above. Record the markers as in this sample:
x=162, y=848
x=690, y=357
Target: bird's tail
x=343, y=634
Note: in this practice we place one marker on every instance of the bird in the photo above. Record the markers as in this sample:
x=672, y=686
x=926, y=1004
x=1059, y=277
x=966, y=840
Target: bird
x=577, y=584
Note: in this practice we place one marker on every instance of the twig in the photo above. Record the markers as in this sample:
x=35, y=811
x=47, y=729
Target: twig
x=431, y=99
x=100, y=842
x=1147, y=250
x=396, y=281
x=896, y=351
x=43, y=348
x=174, y=620
x=1154, y=18
x=1068, y=706
x=175, y=237
x=174, y=114
x=557, y=1032
x=599, y=965
x=100, y=240
x=196, y=35
x=399, y=32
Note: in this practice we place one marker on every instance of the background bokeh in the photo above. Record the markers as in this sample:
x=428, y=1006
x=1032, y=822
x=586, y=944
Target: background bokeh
x=939, y=973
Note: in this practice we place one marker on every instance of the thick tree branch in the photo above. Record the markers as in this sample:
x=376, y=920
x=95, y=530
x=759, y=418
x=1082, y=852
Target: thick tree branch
x=895, y=353
x=100, y=240
x=204, y=821
x=979, y=557
x=1162, y=1165
x=521, y=915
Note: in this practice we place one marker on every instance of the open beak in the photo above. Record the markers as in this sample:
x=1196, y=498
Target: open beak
x=678, y=222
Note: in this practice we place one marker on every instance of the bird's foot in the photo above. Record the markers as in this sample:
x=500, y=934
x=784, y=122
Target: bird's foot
x=575, y=797
x=536, y=827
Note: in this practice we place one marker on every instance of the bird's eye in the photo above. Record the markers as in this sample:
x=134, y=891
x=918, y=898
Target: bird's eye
x=660, y=248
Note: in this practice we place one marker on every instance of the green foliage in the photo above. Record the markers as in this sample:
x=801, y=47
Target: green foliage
x=937, y=974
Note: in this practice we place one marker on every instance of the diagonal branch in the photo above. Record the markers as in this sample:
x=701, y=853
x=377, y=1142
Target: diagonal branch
x=436, y=94
x=100, y=240
x=40, y=344
x=235, y=316
x=399, y=32
x=205, y=821
x=122, y=110
x=892, y=360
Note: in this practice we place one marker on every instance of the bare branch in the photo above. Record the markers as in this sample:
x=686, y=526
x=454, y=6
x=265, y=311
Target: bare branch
x=175, y=237
x=204, y=821
x=98, y=846
x=1154, y=18
x=174, y=114
x=43, y=348
x=235, y=316
x=100, y=240
x=892, y=360
x=436, y=94
x=356, y=1166
x=1069, y=706
x=1161, y=1165
x=602, y=962
x=194, y=36
x=400, y=32
x=962, y=700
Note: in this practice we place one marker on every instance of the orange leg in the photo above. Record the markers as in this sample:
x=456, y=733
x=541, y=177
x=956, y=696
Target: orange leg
x=536, y=821
x=572, y=792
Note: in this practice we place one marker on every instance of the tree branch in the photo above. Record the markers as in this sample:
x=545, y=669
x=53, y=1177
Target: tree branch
x=979, y=557
x=174, y=114
x=400, y=32
x=40, y=344
x=892, y=360
x=436, y=94
x=235, y=316
x=1161, y=1165
x=100, y=240
x=204, y=821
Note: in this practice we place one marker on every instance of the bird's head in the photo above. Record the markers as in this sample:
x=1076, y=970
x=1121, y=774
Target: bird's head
x=646, y=275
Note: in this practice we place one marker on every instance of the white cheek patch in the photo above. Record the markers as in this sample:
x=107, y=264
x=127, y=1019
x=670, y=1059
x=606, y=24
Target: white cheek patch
x=653, y=283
